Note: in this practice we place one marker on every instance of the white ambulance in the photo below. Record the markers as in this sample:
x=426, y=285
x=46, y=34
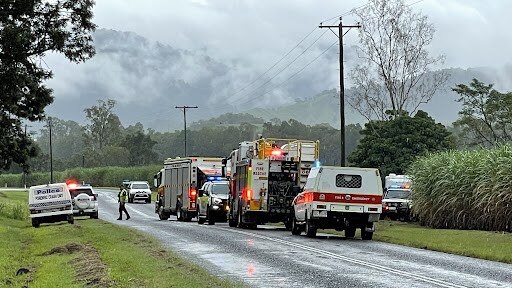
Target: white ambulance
x=341, y=198
x=50, y=203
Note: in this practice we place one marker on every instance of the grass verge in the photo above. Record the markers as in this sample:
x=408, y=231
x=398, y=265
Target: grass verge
x=91, y=253
x=495, y=246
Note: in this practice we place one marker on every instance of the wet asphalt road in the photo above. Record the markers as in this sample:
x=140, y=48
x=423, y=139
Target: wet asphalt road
x=272, y=257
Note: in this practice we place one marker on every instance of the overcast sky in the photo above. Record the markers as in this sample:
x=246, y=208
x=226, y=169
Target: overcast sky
x=251, y=35
x=470, y=32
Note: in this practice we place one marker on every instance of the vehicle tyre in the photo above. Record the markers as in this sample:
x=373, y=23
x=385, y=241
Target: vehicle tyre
x=310, y=228
x=161, y=214
x=211, y=219
x=148, y=200
x=366, y=235
x=35, y=223
x=350, y=232
x=288, y=224
x=71, y=219
x=94, y=215
x=232, y=220
x=240, y=223
x=296, y=229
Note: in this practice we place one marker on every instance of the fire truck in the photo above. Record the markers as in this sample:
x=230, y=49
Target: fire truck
x=177, y=184
x=266, y=175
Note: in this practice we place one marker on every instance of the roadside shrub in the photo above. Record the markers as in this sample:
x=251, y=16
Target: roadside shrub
x=16, y=210
x=98, y=176
x=464, y=189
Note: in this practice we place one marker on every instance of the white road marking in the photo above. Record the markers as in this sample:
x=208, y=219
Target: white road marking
x=440, y=283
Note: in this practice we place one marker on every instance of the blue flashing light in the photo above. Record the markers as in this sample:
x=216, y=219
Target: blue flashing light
x=317, y=163
x=215, y=178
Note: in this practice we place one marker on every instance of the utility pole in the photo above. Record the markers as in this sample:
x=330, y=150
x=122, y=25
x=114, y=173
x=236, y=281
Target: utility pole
x=185, y=122
x=342, y=81
x=25, y=172
x=51, y=155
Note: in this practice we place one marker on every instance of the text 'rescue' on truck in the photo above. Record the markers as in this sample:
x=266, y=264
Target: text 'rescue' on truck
x=266, y=174
x=177, y=184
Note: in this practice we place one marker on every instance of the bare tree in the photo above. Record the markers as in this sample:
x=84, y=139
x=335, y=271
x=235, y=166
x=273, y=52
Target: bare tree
x=394, y=75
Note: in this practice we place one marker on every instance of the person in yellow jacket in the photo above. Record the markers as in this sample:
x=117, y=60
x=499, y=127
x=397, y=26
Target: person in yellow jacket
x=122, y=198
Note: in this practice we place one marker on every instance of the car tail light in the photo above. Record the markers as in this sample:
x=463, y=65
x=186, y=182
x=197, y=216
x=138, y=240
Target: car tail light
x=192, y=194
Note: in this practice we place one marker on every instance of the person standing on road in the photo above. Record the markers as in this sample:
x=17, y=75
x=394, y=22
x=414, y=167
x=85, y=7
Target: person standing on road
x=122, y=196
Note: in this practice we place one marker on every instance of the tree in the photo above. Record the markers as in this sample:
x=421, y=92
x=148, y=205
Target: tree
x=395, y=68
x=486, y=115
x=105, y=126
x=28, y=30
x=392, y=145
x=140, y=148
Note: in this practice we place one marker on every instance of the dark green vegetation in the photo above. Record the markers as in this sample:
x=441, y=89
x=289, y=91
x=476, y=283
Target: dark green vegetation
x=111, y=176
x=464, y=189
x=91, y=253
x=486, y=115
x=479, y=244
x=392, y=145
x=29, y=30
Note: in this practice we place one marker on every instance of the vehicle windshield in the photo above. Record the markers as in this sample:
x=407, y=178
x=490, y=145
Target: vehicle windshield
x=75, y=192
x=140, y=186
x=220, y=189
x=397, y=194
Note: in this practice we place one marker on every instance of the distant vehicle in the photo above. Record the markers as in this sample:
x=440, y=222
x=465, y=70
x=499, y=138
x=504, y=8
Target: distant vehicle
x=177, y=183
x=85, y=201
x=397, y=202
x=341, y=198
x=139, y=190
x=50, y=203
x=212, y=203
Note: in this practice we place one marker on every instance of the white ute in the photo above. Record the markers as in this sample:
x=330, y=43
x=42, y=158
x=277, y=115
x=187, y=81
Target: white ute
x=50, y=203
x=341, y=198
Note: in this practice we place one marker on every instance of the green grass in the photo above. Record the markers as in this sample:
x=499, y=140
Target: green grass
x=90, y=253
x=496, y=246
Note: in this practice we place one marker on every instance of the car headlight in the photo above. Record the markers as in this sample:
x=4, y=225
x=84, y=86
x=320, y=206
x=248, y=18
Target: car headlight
x=217, y=201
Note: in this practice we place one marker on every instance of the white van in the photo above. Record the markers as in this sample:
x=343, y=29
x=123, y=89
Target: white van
x=50, y=203
x=341, y=198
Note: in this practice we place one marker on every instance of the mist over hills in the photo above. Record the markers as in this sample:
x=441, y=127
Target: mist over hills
x=148, y=79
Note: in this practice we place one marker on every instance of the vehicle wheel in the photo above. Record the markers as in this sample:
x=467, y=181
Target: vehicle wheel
x=35, y=223
x=350, y=232
x=366, y=235
x=211, y=219
x=310, y=228
x=240, y=223
x=288, y=224
x=71, y=219
x=232, y=220
x=161, y=214
x=296, y=229
x=148, y=200
x=94, y=215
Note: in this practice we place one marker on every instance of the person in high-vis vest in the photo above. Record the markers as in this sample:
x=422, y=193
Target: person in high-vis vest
x=122, y=197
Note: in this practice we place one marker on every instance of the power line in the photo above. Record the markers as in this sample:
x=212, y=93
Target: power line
x=275, y=64
x=284, y=68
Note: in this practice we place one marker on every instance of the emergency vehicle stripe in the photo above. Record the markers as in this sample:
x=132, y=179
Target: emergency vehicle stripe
x=310, y=196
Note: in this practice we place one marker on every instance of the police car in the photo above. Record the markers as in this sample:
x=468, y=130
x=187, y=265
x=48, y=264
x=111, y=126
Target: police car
x=85, y=200
x=213, y=200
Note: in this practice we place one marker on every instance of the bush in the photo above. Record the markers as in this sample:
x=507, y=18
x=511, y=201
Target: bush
x=98, y=176
x=464, y=189
x=15, y=210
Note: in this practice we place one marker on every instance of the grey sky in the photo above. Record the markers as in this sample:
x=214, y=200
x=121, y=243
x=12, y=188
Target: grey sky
x=470, y=32
x=251, y=35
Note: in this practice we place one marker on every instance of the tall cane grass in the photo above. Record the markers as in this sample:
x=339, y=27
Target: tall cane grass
x=464, y=189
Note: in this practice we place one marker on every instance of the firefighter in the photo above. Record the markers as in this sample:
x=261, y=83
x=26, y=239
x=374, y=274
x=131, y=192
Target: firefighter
x=122, y=196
